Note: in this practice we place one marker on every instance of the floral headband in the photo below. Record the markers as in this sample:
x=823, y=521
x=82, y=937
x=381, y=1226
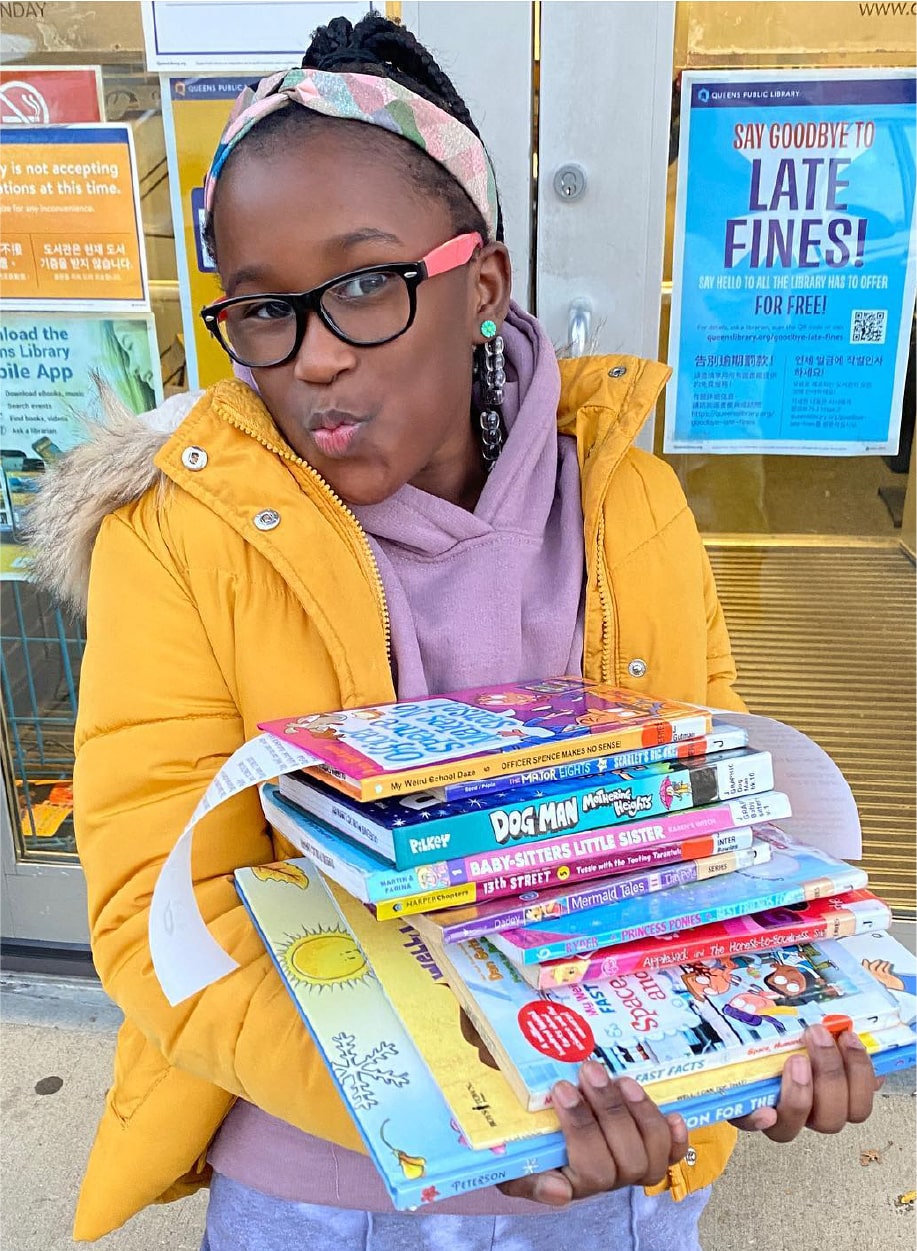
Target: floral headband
x=379, y=102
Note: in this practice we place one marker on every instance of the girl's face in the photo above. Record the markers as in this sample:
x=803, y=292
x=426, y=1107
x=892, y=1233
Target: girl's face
x=286, y=222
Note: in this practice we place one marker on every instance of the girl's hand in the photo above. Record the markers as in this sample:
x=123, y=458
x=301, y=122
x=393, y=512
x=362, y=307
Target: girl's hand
x=615, y=1135
x=830, y=1087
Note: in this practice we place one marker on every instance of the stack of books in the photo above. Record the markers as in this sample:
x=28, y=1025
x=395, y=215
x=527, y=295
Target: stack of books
x=561, y=871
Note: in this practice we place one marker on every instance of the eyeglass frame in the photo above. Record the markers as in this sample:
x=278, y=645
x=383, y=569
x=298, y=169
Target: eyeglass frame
x=447, y=256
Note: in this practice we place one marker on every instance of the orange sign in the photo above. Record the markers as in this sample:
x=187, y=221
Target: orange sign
x=69, y=219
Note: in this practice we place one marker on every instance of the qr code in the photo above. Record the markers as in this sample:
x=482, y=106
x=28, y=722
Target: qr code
x=867, y=325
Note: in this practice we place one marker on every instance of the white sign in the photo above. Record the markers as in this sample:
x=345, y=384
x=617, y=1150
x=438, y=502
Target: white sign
x=234, y=34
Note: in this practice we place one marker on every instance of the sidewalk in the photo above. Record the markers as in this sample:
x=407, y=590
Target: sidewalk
x=59, y=1036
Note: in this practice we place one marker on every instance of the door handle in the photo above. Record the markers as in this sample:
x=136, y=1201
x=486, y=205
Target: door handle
x=579, y=326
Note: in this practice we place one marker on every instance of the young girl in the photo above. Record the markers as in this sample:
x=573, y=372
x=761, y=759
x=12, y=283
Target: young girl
x=399, y=494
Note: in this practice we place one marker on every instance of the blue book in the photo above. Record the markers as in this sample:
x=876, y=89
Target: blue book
x=722, y=737
x=794, y=873
x=423, y=826
x=401, y=1114
x=897, y=1052
x=378, y=1071
x=671, y=1024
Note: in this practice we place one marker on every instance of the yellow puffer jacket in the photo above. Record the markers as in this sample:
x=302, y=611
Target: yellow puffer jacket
x=200, y=625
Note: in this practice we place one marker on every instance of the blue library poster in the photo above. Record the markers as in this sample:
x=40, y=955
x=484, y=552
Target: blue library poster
x=794, y=262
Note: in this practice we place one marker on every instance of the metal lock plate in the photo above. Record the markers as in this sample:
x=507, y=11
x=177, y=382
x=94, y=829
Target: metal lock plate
x=570, y=182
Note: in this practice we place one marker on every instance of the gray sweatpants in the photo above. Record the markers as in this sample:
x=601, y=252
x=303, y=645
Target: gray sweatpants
x=241, y=1219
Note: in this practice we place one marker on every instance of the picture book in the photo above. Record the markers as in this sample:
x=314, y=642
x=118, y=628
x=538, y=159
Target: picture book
x=895, y=1052
x=454, y=925
x=470, y=879
x=722, y=737
x=857, y=912
x=678, y=1092
x=488, y=731
x=413, y=828
x=892, y=964
x=381, y=1076
x=483, y=1104
x=792, y=874
x=406, y=1124
x=655, y=1026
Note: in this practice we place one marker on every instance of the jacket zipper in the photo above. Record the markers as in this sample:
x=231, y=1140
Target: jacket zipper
x=604, y=599
x=370, y=561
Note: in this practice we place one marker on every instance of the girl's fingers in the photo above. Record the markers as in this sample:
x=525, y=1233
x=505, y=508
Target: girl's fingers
x=794, y=1107
x=678, y=1131
x=830, y=1097
x=654, y=1131
x=591, y=1167
x=551, y=1188
x=861, y=1077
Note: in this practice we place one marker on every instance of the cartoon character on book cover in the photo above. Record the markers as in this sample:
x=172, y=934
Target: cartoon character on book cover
x=751, y=993
x=568, y=706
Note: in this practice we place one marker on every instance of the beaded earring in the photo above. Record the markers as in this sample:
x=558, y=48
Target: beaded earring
x=489, y=370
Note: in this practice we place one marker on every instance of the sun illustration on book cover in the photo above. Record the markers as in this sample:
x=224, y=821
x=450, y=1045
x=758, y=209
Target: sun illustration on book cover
x=324, y=958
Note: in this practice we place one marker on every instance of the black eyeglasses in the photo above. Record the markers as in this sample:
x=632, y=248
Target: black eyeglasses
x=366, y=307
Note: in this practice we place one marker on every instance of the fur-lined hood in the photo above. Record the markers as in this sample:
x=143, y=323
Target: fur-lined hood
x=604, y=402
x=112, y=467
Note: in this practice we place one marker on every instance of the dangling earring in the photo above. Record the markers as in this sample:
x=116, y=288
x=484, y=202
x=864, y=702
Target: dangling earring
x=490, y=373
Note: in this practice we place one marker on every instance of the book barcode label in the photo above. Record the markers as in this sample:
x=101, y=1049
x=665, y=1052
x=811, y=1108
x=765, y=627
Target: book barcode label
x=867, y=325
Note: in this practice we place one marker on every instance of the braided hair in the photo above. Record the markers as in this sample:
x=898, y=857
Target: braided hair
x=378, y=46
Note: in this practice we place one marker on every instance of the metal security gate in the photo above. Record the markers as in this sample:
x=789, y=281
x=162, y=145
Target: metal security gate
x=824, y=639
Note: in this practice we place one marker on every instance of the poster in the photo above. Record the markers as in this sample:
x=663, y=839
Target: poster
x=70, y=219
x=47, y=387
x=36, y=95
x=242, y=35
x=794, y=262
x=194, y=112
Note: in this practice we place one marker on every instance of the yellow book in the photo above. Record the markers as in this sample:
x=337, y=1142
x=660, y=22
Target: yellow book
x=485, y=1108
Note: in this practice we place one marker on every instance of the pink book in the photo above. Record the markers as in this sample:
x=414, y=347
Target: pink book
x=854, y=912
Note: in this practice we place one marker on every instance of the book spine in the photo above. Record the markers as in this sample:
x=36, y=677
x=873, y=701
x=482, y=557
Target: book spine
x=604, y=805
x=740, y=1100
x=425, y=848
x=656, y=953
x=577, y=847
x=483, y=1168
x=605, y=840
x=611, y=891
x=677, y=728
x=554, y=949
x=339, y=815
x=729, y=738
x=490, y=890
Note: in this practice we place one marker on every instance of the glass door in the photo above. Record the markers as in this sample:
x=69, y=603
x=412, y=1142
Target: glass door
x=814, y=554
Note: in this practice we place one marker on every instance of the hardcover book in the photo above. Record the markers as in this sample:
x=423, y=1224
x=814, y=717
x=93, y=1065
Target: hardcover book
x=405, y=1122
x=893, y=966
x=455, y=925
x=333, y=980
x=792, y=874
x=469, y=879
x=656, y=1026
x=421, y=826
x=396, y=748
x=722, y=737
x=857, y=912
x=891, y=1051
x=484, y=1105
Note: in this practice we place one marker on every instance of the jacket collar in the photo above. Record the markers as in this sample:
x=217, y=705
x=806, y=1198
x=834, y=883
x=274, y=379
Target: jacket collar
x=604, y=402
